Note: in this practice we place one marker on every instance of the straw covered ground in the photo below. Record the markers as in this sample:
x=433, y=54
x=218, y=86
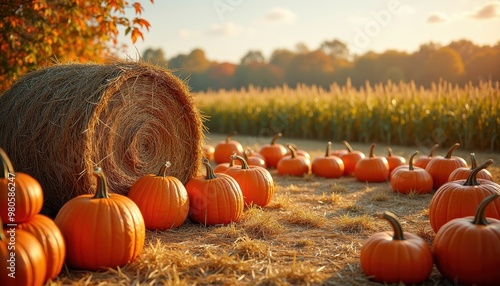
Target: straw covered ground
x=310, y=234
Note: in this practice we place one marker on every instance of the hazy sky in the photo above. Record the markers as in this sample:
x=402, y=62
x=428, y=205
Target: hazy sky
x=227, y=29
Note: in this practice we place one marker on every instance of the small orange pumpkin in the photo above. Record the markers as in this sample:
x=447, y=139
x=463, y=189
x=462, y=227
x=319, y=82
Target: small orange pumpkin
x=407, y=178
x=440, y=168
x=224, y=149
x=422, y=161
x=90, y=222
x=293, y=165
x=22, y=259
x=214, y=199
x=462, y=173
x=208, y=152
x=256, y=182
x=372, y=168
x=402, y=257
x=394, y=160
x=162, y=199
x=328, y=166
x=273, y=152
x=21, y=196
x=466, y=250
x=351, y=159
x=254, y=159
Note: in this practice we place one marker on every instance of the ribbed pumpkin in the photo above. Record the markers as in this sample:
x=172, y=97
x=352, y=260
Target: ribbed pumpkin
x=372, y=168
x=408, y=178
x=102, y=230
x=460, y=198
x=351, y=159
x=162, y=199
x=293, y=165
x=25, y=263
x=398, y=258
x=256, y=183
x=28, y=194
x=214, y=199
x=467, y=250
x=463, y=172
x=327, y=166
x=423, y=160
x=394, y=160
x=224, y=149
x=273, y=152
x=50, y=237
x=440, y=168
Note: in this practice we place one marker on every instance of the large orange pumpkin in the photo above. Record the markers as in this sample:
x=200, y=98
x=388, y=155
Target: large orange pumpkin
x=440, y=168
x=21, y=196
x=214, y=199
x=50, y=237
x=22, y=259
x=256, y=183
x=273, y=152
x=372, y=168
x=224, y=149
x=162, y=199
x=328, y=166
x=467, y=250
x=102, y=230
x=402, y=257
x=407, y=178
x=460, y=198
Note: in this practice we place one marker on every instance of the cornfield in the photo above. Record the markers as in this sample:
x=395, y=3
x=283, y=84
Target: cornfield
x=394, y=114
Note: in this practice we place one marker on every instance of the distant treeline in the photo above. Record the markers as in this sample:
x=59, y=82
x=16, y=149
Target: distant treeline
x=459, y=62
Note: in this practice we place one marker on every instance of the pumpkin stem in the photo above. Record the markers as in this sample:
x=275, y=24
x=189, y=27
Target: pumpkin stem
x=210, y=171
x=244, y=164
x=372, y=148
x=472, y=178
x=228, y=137
x=389, y=150
x=5, y=165
x=396, y=226
x=473, y=162
x=293, y=151
x=450, y=151
x=102, y=187
x=410, y=164
x=480, y=215
x=275, y=137
x=348, y=146
x=328, y=146
x=163, y=169
x=433, y=149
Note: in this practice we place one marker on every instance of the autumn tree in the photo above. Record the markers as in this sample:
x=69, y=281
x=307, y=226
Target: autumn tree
x=154, y=56
x=310, y=68
x=37, y=33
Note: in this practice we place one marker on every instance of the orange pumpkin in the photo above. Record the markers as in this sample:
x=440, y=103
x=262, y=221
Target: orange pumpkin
x=467, y=251
x=299, y=152
x=407, y=178
x=422, y=161
x=162, y=199
x=459, y=199
x=208, y=152
x=351, y=159
x=51, y=239
x=372, y=168
x=328, y=166
x=22, y=259
x=293, y=165
x=214, y=199
x=224, y=149
x=273, y=152
x=256, y=182
x=440, y=168
x=394, y=160
x=398, y=258
x=102, y=230
x=21, y=196
x=462, y=173
x=254, y=159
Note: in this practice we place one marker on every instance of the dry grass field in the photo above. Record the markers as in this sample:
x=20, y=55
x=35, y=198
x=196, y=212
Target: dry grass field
x=310, y=234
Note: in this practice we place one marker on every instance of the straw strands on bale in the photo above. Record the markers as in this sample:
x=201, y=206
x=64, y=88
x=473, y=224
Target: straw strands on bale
x=57, y=123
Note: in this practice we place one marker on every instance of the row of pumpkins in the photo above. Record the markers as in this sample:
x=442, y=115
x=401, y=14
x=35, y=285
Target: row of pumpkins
x=464, y=211
x=102, y=230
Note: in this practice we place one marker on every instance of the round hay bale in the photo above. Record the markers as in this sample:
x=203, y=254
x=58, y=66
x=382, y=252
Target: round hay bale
x=57, y=123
